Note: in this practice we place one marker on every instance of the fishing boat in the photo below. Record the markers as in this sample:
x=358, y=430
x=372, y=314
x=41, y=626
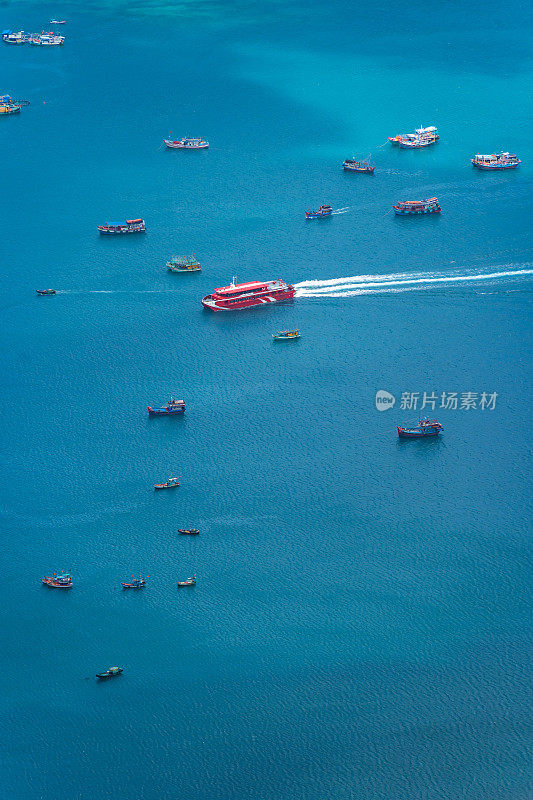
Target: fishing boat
x=170, y=484
x=407, y=207
x=48, y=39
x=130, y=226
x=425, y=427
x=8, y=105
x=172, y=407
x=186, y=143
x=323, y=211
x=135, y=583
x=189, y=582
x=58, y=22
x=414, y=141
x=353, y=165
x=184, y=264
x=496, y=161
x=431, y=134
x=284, y=336
x=109, y=673
x=18, y=37
x=45, y=291
x=245, y=295
x=189, y=532
x=63, y=581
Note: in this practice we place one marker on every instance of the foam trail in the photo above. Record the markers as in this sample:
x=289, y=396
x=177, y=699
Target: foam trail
x=359, y=284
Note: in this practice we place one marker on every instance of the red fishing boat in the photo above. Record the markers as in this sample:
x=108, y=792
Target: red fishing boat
x=245, y=295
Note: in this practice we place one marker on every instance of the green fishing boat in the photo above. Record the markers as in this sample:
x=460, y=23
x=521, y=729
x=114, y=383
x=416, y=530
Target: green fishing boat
x=284, y=336
x=184, y=264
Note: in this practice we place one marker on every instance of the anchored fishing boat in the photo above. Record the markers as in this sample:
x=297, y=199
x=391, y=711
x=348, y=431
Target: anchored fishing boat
x=189, y=582
x=49, y=39
x=109, y=673
x=18, y=37
x=184, y=264
x=45, y=291
x=407, y=207
x=323, y=211
x=63, y=581
x=496, y=161
x=135, y=583
x=172, y=407
x=186, y=143
x=353, y=165
x=8, y=105
x=245, y=295
x=189, y=532
x=58, y=22
x=130, y=226
x=170, y=484
x=425, y=427
x=284, y=336
x=422, y=137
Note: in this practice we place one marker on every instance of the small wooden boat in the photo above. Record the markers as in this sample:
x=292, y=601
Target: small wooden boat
x=184, y=264
x=186, y=143
x=189, y=582
x=425, y=427
x=63, y=581
x=407, y=207
x=284, y=336
x=136, y=583
x=172, y=407
x=45, y=291
x=353, y=165
x=109, y=673
x=190, y=532
x=9, y=106
x=323, y=211
x=170, y=484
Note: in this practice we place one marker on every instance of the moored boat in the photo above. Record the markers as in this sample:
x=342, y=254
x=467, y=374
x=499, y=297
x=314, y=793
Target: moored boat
x=170, y=484
x=496, y=161
x=172, y=407
x=12, y=37
x=58, y=22
x=45, y=291
x=8, y=105
x=63, y=581
x=48, y=39
x=324, y=211
x=246, y=295
x=189, y=582
x=422, y=137
x=425, y=427
x=130, y=226
x=109, y=673
x=184, y=264
x=189, y=532
x=135, y=583
x=353, y=165
x=283, y=336
x=186, y=143
x=407, y=207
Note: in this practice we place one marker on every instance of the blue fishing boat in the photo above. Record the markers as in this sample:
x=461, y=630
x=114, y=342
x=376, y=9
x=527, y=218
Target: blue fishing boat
x=109, y=673
x=130, y=226
x=408, y=207
x=323, y=211
x=135, y=583
x=425, y=427
x=496, y=161
x=172, y=407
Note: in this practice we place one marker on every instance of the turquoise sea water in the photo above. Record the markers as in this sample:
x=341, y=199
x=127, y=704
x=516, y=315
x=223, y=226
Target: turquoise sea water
x=360, y=624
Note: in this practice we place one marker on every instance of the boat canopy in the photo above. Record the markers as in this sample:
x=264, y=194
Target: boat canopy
x=134, y=221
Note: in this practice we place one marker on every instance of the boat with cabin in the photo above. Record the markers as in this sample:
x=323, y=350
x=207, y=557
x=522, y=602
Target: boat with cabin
x=109, y=673
x=170, y=484
x=422, y=137
x=45, y=291
x=425, y=427
x=48, y=39
x=130, y=226
x=184, y=264
x=135, y=583
x=8, y=105
x=324, y=211
x=285, y=336
x=409, y=207
x=496, y=161
x=354, y=165
x=172, y=407
x=188, y=532
x=15, y=37
x=189, y=582
x=58, y=22
x=246, y=295
x=186, y=143
x=63, y=581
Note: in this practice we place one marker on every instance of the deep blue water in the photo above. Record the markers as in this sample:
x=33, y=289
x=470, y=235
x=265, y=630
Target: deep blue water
x=360, y=627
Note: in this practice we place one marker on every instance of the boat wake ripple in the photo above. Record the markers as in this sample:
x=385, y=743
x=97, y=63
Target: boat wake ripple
x=405, y=281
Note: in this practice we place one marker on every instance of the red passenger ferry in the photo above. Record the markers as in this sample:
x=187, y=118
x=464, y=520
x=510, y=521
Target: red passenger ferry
x=245, y=295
